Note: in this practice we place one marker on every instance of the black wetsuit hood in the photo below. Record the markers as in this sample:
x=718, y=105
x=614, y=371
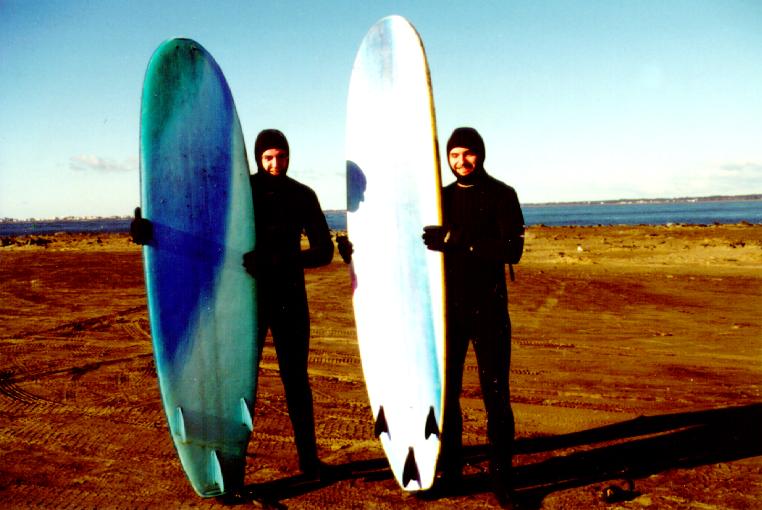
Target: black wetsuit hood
x=471, y=139
x=266, y=140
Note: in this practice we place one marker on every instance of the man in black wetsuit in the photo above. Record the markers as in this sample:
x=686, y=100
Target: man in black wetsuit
x=482, y=230
x=283, y=209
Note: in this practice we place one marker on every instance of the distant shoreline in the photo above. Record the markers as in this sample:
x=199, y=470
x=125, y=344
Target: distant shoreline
x=620, y=201
x=631, y=201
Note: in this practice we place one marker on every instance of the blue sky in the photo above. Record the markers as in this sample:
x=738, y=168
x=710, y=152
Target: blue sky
x=575, y=100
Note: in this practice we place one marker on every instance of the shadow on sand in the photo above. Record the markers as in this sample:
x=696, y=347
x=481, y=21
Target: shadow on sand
x=641, y=447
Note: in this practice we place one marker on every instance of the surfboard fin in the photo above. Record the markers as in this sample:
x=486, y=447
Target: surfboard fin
x=246, y=418
x=431, y=424
x=381, y=425
x=180, y=425
x=215, y=473
x=410, y=471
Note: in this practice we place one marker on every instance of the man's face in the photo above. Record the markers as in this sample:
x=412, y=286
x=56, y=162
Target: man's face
x=462, y=160
x=275, y=161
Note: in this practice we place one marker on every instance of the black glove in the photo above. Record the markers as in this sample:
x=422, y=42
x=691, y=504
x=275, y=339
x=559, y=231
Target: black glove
x=345, y=248
x=435, y=237
x=250, y=262
x=141, y=230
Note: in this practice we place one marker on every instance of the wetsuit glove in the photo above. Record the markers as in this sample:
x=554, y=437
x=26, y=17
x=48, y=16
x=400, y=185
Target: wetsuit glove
x=435, y=237
x=345, y=248
x=250, y=262
x=141, y=230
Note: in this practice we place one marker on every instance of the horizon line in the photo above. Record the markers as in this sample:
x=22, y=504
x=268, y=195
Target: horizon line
x=616, y=201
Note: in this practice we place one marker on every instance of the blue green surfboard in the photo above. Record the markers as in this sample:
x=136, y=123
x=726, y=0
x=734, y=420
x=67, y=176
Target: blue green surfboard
x=202, y=304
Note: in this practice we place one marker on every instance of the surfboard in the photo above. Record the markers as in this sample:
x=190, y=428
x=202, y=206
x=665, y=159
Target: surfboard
x=201, y=303
x=393, y=191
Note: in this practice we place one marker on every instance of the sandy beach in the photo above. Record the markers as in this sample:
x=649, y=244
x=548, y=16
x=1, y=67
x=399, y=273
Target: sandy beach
x=637, y=355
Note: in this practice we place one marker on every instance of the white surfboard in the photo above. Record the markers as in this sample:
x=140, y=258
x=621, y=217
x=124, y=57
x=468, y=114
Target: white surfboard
x=393, y=191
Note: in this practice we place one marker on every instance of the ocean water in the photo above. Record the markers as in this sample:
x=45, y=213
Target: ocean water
x=40, y=227
x=691, y=213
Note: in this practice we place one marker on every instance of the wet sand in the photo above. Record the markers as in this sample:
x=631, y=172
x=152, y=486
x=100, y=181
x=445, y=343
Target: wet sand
x=637, y=354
